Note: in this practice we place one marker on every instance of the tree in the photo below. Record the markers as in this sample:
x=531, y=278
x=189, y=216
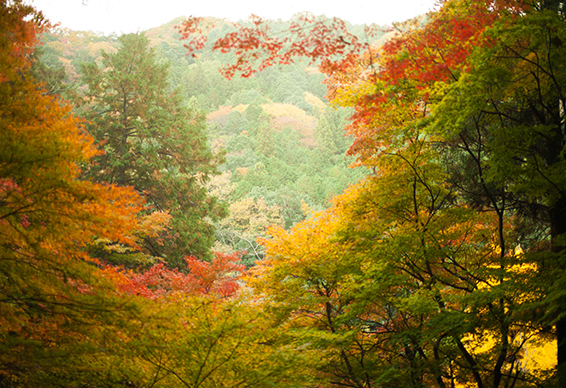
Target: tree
x=236, y=123
x=248, y=220
x=151, y=141
x=264, y=135
x=208, y=343
x=520, y=118
x=198, y=330
x=54, y=308
x=324, y=137
x=409, y=280
x=417, y=70
x=301, y=282
x=217, y=278
x=441, y=245
x=253, y=113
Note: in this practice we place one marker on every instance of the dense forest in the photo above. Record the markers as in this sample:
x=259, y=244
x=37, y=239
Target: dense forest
x=303, y=203
x=280, y=147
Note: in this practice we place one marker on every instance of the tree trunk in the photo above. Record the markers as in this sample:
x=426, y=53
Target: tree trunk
x=558, y=230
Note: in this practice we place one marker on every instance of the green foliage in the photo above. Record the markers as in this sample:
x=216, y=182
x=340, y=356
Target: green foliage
x=442, y=268
x=264, y=136
x=325, y=137
x=253, y=113
x=202, y=343
x=430, y=273
x=151, y=141
x=236, y=124
x=49, y=71
x=514, y=99
x=291, y=154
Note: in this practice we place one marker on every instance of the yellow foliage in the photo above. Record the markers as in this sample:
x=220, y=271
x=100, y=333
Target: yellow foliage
x=56, y=45
x=240, y=108
x=315, y=102
x=252, y=216
x=536, y=356
x=288, y=115
x=220, y=186
x=70, y=70
x=289, y=110
x=218, y=145
x=306, y=209
x=307, y=255
x=95, y=48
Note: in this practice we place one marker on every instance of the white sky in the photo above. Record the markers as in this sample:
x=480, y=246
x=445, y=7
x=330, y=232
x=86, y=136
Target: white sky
x=124, y=16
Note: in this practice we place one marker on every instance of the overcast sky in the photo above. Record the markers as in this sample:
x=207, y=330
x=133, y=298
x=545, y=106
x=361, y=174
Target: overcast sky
x=124, y=16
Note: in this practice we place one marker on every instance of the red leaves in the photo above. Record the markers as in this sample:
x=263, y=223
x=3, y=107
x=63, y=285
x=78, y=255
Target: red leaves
x=441, y=49
x=193, y=28
x=218, y=277
x=391, y=87
x=257, y=47
x=388, y=86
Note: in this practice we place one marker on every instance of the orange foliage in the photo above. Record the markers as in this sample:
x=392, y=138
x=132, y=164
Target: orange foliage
x=392, y=86
x=48, y=217
x=22, y=37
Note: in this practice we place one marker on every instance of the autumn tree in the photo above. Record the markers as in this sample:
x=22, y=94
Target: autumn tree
x=472, y=84
x=415, y=72
x=54, y=308
x=301, y=282
x=208, y=343
x=403, y=281
x=509, y=109
x=248, y=220
x=153, y=142
x=199, y=329
x=217, y=278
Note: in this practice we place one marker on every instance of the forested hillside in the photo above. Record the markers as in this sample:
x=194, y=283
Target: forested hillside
x=177, y=210
x=284, y=145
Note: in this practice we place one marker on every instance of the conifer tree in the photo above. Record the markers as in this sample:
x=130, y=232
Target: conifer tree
x=264, y=136
x=153, y=142
x=324, y=137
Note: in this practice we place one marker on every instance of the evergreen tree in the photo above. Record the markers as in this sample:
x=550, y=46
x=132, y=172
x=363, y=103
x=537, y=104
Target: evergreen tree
x=236, y=123
x=151, y=141
x=324, y=137
x=253, y=113
x=264, y=136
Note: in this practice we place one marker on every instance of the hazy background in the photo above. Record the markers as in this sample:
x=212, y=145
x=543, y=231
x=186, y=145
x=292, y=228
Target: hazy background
x=124, y=16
